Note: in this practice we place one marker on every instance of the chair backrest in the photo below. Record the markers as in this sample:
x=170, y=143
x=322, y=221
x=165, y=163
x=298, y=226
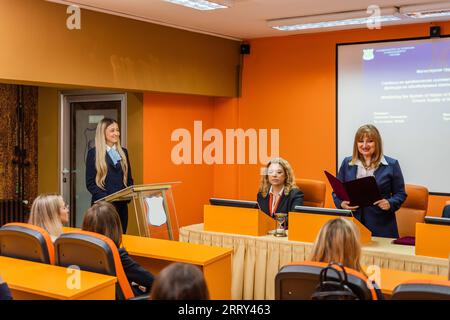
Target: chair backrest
x=413, y=210
x=93, y=252
x=26, y=241
x=422, y=290
x=314, y=192
x=299, y=280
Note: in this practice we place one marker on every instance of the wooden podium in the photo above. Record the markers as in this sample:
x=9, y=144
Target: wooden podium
x=246, y=221
x=153, y=214
x=432, y=240
x=305, y=227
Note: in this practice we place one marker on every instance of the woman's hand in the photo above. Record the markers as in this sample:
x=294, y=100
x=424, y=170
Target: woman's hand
x=345, y=205
x=383, y=204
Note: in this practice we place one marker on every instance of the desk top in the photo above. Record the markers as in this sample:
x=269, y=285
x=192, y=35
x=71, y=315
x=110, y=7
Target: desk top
x=389, y=279
x=170, y=250
x=173, y=250
x=48, y=280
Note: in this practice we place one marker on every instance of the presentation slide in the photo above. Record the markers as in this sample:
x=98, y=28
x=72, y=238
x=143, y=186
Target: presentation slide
x=403, y=88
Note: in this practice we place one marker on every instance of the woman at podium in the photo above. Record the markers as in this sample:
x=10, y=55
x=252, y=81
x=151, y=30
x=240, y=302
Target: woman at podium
x=108, y=167
x=278, y=192
x=368, y=160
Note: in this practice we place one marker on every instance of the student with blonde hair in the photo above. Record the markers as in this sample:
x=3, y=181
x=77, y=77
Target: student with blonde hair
x=278, y=192
x=338, y=241
x=102, y=218
x=49, y=212
x=108, y=167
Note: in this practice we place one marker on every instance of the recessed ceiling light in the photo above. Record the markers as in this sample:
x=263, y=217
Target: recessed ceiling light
x=424, y=11
x=198, y=4
x=341, y=19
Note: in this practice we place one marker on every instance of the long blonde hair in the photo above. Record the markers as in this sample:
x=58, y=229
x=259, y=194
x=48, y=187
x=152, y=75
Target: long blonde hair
x=100, y=151
x=289, y=182
x=45, y=213
x=370, y=131
x=338, y=241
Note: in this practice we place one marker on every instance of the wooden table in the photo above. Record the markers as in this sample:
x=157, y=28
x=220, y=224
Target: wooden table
x=256, y=260
x=155, y=254
x=389, y=279
x=31, y=280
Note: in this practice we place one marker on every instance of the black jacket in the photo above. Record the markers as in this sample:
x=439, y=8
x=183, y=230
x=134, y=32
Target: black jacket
x=5, y=293
x=286, y=204
x=114, y=177
x=134, y=272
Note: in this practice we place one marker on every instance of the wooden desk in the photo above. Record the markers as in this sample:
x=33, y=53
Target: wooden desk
x=37, y=281
x=155, y=254
x=256, y=260
x=389, y=279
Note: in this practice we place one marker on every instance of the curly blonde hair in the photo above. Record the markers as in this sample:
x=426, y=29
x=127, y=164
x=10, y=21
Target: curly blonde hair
x=289, y=182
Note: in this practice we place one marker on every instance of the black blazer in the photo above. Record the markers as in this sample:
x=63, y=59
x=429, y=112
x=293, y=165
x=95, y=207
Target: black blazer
x=5, y=293
x=114, y=177
x=134, y=272
x=286, y=204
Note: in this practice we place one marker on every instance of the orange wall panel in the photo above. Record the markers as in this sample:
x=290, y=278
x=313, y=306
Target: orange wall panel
x=164, y=113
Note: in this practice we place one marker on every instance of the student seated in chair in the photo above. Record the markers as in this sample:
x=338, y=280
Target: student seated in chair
x=49, y=212
x=278, y=192
x=338, y=241
x=5, y=293
x=180, y=281
x=103, y=218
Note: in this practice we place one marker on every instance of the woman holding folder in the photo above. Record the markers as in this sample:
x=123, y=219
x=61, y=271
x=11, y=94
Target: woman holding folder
x=108, y=167
x=368, y=160
x=278, y=192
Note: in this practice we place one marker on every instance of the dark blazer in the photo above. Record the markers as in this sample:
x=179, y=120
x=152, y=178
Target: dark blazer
x=134, y=272
x=392, y=188
x=286, y=204
x=446, y=211
x=5, y=293
x=114, y=177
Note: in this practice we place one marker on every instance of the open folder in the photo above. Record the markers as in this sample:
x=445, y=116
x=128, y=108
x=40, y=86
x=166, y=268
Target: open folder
x=361, y=192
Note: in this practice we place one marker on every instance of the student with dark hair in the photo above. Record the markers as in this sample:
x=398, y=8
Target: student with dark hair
x=180, y=281
x=103, y=218
x=5, y=293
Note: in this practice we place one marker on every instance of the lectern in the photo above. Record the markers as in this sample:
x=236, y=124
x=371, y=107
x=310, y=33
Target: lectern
x=153, y=213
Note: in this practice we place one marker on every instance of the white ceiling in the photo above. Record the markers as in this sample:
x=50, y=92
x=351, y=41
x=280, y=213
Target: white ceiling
x=245, y=19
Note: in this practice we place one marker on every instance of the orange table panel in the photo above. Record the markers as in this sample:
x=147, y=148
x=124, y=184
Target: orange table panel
x=32, y=280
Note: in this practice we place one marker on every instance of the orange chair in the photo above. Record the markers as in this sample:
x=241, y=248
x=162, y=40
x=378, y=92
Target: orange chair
x=26, y=241
x=93, y=252
x=422, y=290
x=299, y=280
x=314, y=192
x=413, y=210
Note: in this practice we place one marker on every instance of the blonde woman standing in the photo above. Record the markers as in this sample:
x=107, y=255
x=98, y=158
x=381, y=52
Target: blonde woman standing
x=108, y=167
x=278, y=192
x=49, y=212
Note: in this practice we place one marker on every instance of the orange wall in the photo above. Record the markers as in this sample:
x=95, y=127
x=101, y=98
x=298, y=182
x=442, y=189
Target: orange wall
x=164, y=113
x=289, y=84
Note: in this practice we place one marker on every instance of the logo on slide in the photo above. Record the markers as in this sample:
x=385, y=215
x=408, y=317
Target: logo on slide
x=368, y=54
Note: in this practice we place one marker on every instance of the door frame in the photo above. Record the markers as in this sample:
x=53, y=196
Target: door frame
x=66, y=97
